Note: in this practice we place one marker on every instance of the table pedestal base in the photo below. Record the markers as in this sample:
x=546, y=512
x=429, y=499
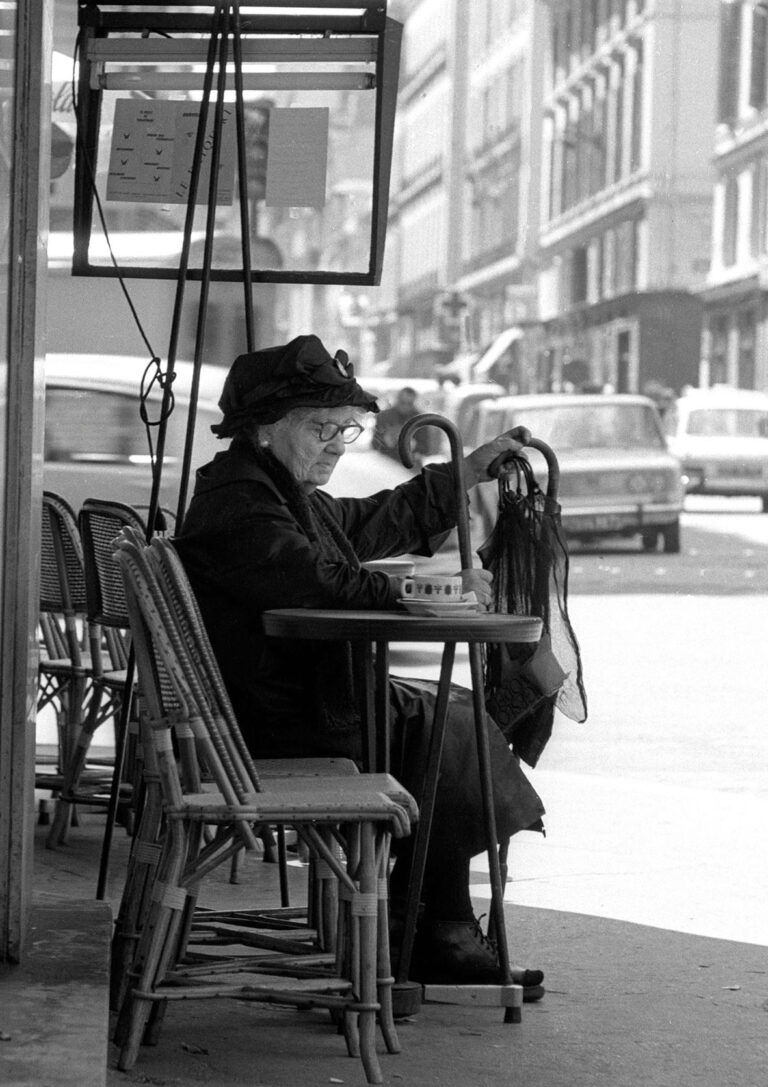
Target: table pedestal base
x=408, y=997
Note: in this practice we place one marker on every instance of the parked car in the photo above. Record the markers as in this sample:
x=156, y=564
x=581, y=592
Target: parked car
x=617, y=476
x=95, y=442
x=721, y=438
x=459, y=403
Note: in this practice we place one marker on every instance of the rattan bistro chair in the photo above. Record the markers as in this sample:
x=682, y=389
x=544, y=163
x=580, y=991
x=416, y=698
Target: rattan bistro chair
x=65, y=673
x=357, y=813
x=99, y=523
x=305, y=927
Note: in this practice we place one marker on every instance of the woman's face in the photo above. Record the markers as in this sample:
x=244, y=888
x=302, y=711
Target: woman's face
x=295, y=441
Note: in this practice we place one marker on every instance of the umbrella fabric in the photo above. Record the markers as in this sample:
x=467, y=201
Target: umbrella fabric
x=528, y=557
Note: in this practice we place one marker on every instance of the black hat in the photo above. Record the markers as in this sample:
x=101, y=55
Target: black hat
x=263, y=386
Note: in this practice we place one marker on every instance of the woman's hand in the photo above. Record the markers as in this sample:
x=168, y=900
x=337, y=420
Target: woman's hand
x=476, y=464
x=479, y=583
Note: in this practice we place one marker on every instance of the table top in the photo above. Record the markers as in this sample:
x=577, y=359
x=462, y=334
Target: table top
x=396, y=626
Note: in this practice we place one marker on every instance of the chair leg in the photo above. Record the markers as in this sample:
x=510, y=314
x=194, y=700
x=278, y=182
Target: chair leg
x=73, y=771
x=365, y=906
x=385, y=980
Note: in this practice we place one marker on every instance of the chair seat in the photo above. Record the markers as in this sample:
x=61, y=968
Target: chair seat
x=332, y=802
x=306, y=767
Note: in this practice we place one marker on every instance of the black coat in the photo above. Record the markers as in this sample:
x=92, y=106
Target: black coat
x=246, y=552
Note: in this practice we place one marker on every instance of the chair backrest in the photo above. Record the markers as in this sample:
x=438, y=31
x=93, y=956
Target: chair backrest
x=198, y=727
x=62, y=571
x=100, y=524
x=200, y=661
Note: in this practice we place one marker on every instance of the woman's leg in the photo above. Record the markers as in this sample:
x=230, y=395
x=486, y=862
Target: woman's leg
x=451, y=945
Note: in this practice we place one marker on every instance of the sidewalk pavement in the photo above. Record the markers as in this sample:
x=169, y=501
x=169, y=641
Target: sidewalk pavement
x=650, y=925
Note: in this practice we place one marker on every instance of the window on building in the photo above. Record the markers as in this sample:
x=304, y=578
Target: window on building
x=718, y=361
x=757, y=72
x=587, y=28
x=594, y=270
x=745, y=378
x=638, y=233
x=569, y=180
x=568, y=42
x=731, y=221
x=757, y=231
x=554, y=160
x=618, y=126
x=583, y=148
x=609, y=264
x=636, y=149
x=579, y=279
x=596, y=12
x=730, y=52
x=625, y=257
x=557, y=59
x=597, y=173
x=514, y=94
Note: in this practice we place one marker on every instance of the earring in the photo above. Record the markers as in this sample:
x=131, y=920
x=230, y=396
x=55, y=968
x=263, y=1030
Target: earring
x=264, y=443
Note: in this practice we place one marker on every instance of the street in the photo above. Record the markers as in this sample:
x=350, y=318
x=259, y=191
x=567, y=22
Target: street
x=657, y=806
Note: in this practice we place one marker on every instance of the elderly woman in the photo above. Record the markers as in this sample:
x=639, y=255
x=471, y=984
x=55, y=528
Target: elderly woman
x=260, y=534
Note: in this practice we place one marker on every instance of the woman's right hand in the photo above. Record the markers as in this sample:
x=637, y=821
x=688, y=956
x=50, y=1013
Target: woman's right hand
x=477, y=463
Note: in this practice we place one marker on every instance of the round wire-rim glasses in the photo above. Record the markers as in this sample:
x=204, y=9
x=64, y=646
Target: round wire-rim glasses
x=350, y=432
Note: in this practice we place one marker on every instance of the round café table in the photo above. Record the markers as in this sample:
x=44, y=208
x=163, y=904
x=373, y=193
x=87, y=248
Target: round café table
x=372, y=632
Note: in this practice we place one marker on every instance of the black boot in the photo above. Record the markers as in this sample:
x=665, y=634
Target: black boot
x=459, y=953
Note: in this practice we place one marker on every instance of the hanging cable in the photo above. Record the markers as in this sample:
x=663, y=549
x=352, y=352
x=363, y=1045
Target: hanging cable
x=86, y=159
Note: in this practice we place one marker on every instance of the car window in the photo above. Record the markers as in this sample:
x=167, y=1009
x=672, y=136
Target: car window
x=728, y=423
x=594, y=426
x=104, y=427
x=491, y=423
x=671, y=421
x=468, y=418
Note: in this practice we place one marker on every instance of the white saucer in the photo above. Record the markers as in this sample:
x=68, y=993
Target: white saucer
x=438, y=610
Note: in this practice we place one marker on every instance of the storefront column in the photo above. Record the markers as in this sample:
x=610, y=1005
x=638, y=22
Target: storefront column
x=21, y=373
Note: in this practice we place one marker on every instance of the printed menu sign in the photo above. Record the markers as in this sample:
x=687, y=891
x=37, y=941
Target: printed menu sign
x=152, y=149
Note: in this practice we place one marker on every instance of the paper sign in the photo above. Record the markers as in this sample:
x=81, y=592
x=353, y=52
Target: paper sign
x=297, y=158
x=153, y=145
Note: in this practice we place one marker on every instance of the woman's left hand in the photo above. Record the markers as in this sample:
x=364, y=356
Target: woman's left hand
x=479, y=583
x=477, y=463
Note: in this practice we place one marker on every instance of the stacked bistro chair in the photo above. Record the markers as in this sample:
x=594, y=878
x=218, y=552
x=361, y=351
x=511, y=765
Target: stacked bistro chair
x=189, y=734
x=99, y=522
x=66, y=669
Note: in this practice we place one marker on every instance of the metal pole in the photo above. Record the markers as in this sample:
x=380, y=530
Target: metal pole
x=154, y=503
x=205, y=284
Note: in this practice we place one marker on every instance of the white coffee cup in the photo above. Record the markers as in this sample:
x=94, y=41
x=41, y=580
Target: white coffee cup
x=434, y=587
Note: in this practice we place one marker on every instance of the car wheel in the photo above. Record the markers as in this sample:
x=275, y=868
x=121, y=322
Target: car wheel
x=650, y=538
x=671, y=537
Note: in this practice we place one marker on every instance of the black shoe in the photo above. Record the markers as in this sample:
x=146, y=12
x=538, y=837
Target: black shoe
x=455, y=953
x=459, y=953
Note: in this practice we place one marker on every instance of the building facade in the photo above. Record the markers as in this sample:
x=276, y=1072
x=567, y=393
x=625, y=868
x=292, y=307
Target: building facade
x=627, y=182
x=735, y=336
x=465, y=201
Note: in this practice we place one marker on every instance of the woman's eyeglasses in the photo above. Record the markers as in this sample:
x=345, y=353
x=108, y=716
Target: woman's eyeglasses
x=350, y=432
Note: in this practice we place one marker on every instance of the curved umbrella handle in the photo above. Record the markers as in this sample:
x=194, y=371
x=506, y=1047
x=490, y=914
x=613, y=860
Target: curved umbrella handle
x=496, y=467
x=457, y=458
